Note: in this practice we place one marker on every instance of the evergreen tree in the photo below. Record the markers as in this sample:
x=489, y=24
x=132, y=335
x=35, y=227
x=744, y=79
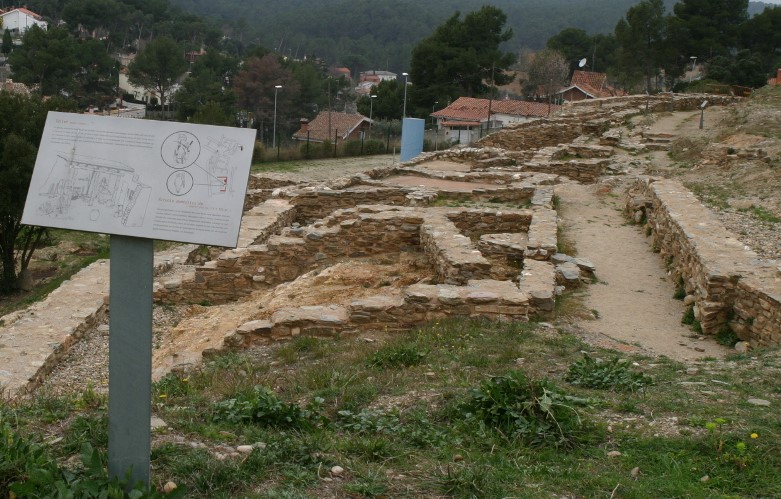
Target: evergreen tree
x=8, y=43
x=21, y=126
x=158, y=66
x=708, y=28
x=641, y=37
x=459, y=58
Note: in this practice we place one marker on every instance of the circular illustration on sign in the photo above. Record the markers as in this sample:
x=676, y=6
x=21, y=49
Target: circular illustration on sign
x=179, y=183
x=180, y=149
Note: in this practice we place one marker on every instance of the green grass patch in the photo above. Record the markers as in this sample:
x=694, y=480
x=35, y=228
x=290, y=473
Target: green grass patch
x=614, y=374
x=762, y=214
x=483, y=410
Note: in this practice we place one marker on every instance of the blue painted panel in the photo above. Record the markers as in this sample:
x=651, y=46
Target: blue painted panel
x=412, y=131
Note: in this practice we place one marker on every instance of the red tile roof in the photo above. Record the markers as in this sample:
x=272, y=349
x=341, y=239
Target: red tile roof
x=28, y=12
x=593, y=84
x=341, y=123
x=471, y=109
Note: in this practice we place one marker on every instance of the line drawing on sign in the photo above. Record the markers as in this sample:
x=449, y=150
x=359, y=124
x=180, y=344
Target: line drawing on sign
x=182, y=152
x=180, y=149
x=79, y=186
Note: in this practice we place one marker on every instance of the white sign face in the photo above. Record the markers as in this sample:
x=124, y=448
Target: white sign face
x=142, y=178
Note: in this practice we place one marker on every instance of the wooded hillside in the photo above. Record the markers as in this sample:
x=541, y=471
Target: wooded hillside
x=380, y=34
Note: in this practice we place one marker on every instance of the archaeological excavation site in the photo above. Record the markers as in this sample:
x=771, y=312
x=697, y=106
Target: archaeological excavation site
x=478, y=231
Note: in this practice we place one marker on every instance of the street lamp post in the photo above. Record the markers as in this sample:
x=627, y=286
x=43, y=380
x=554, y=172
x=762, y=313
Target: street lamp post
x=274, y=137
x=371, y=108
x=404, y=111
x=433, y=106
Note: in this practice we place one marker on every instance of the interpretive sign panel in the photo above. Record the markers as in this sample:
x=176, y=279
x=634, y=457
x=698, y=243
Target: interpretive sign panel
x=141, y=178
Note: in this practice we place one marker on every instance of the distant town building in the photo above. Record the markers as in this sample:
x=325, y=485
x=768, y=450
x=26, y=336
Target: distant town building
x=465, y=119
x=194, y=55
x=369, y=79
x=587, y=85
x=330, y=124
x=17, y=21
x=339, y=72
x=775, y=80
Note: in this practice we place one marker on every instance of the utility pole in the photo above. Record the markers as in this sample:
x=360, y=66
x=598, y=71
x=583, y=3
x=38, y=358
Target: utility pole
x=491, y=99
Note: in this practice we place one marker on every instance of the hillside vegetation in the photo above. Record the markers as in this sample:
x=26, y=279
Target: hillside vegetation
x=380, y=34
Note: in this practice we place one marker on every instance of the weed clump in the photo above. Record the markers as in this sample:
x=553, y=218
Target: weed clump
x=612, y=375
x=263, y=407
x=726, y=336
x=534, y=410
x=398, y=356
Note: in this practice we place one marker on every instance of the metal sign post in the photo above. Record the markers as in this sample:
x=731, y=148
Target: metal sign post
x=130, y=358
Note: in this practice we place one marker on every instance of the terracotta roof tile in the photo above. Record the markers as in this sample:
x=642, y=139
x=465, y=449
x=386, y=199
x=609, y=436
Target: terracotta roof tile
x=593, y=84
x=29, y=13
x=343, y=123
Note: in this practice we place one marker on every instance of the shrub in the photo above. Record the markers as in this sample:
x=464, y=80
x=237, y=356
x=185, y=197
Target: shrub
x=257, y=153
x=611, y=375
x=374, y=146
x=536, y=411
x=397, y=356
x=262, y=406
x=726, y=336
x=352, y=148
x=28, y=470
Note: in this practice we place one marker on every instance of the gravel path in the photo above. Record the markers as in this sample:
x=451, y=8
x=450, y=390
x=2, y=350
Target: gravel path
x=86, y=365
x=761, y=236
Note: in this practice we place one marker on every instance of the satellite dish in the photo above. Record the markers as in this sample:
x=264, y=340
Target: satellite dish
x=582, y=62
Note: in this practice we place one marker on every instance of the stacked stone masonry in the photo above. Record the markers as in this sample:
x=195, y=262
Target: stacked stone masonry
x=490, y=299
x=443, y=234
x=730, y=285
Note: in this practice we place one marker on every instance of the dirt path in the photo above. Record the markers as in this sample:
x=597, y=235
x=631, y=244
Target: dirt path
x=634, y=296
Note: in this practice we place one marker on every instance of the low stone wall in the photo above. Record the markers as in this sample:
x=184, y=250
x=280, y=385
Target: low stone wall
x=728, y=284
x=490, y=299
x=319, y=203
x=474, y=222
x=535, y=134
x=452, y=254
x=257, y=225
x=267, y=181
x=586, y=171
x=543, y=239
x=509, y=247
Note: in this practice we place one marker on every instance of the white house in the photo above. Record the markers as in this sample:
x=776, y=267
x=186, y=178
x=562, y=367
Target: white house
x=17, y=21
x=144, y=94
x=467, y=119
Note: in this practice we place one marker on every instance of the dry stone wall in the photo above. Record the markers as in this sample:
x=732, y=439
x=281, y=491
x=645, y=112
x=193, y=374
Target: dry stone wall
x=315, y=204
x=480, y=298
x=443, y=234
x=729, y=285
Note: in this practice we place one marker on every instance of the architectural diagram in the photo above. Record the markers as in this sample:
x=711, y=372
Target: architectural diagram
x=96, y=187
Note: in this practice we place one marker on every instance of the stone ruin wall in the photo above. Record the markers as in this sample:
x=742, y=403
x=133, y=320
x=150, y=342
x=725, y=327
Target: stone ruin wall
x=577, y=162
x=366, y=231
x=592, y=117
x=729, y=284
x=312, y=205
